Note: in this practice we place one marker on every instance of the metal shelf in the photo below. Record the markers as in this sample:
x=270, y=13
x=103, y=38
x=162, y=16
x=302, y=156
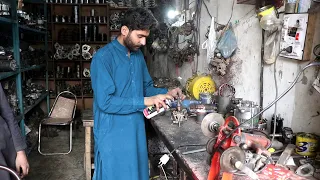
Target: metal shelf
x=6, y=20
x=94, y=42
x=42, y=97
x=4, y=75
x=34, y=67
x=25, y=27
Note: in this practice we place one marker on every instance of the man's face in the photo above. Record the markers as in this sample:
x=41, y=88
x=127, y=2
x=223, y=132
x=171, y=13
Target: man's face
x=135, y=39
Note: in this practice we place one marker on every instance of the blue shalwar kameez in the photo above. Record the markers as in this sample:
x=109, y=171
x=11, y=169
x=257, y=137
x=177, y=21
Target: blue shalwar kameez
x=120, y=82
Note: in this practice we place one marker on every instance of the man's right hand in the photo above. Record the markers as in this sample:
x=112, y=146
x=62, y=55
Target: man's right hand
x=158, y=100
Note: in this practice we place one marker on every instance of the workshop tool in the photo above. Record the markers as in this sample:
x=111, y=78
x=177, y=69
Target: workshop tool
x=233, y=159
x=237, y=138
x=200, y=84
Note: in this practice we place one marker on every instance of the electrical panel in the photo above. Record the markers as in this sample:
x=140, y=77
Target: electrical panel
x=293, y=34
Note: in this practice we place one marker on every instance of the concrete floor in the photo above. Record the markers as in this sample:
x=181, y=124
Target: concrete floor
x=58, y=167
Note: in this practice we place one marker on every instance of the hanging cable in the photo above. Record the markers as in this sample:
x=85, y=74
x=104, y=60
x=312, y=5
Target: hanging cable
x=165, y=175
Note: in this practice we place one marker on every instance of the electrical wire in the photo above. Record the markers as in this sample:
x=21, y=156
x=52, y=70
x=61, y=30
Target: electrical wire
x=205, y=5
x=231, y=12
x=316, y=51
x=270, y=105
x=165, y=175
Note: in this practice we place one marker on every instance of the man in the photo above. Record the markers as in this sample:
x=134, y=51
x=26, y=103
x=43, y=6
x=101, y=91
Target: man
x=122, y=89
x=12, y=144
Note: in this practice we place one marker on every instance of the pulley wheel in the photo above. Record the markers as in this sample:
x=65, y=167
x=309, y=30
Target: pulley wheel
x=225, y=159
x=211, y=123
x=210, y=144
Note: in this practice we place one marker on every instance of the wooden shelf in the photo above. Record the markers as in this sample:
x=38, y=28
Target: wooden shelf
x=68, y=79
x=94, y=23
x=65, y=23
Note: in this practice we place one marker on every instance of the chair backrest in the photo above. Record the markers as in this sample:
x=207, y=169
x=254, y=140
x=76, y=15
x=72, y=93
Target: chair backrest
x=63, y=107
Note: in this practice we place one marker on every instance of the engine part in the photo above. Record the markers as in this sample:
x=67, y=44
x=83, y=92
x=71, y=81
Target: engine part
x=179, y=116
x=86, y=72
x=205, y=98
x=8, y=65
x=246, y=110
x=227, y=90
x=86, y=55
x=86, y=48
x=70, y=56
x=231, y=156
x=305, y=170
x=211, y=123
x=199, y=84
x=210, y=144
x=78, y=71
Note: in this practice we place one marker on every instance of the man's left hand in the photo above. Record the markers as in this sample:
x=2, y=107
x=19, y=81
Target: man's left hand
x=22, y=163
x=176, y=92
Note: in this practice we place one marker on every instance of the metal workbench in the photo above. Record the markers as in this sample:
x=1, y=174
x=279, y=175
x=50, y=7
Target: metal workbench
x=173, y=136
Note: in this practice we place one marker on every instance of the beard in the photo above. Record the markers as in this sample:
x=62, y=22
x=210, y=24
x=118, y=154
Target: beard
x=129, y=44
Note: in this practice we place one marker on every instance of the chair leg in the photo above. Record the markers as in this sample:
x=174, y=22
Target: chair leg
x=70, y=143
x=39, y=140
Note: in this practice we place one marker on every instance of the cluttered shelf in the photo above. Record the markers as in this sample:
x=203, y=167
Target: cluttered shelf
x=42, y=97
x=6, y=20
x=32, y=29
x=33, y=67
x=4, y=75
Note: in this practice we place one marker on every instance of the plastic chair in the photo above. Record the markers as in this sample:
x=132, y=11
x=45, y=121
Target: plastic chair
x=61, y=114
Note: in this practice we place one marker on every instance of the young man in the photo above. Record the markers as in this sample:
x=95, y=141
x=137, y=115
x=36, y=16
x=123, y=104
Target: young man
x=122, y=89
x=12, y=144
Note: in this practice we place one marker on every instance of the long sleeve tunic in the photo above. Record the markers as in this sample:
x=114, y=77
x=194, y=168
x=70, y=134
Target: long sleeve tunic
x=120, y=82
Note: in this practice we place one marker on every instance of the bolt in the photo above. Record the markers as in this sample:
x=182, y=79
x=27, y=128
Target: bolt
x=237, y=139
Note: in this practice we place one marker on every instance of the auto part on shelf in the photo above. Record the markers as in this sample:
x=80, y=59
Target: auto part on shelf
x=8, y=65
x=86, y=72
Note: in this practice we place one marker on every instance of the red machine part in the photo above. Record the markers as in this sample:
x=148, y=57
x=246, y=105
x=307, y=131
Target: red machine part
x=256, y=142
x=215, y=161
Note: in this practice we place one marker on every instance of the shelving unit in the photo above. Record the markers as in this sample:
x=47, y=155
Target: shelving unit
x=16, y=29
x=60, y=9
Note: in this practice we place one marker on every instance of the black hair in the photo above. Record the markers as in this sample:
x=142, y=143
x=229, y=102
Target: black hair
x=139, y=19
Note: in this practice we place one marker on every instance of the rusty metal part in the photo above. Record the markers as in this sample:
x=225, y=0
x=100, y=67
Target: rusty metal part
x=211, y=123
x=230, y=157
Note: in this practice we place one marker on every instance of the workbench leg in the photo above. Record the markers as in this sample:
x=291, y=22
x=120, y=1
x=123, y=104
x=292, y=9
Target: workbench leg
x=88, y=152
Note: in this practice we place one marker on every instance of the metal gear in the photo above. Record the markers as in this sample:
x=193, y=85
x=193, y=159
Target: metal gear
x=211, y=123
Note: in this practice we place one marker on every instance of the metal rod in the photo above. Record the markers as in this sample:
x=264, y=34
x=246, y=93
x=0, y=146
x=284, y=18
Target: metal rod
x=10, y=171
x=194, y=151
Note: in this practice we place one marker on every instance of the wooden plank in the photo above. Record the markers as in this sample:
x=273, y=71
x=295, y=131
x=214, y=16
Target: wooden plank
x=308, y=45
x=88, y=152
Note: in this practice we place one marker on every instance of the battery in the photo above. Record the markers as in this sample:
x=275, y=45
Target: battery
x=151, y=111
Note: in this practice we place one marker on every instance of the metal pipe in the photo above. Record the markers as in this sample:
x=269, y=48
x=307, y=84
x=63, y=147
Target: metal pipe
x=10, y=171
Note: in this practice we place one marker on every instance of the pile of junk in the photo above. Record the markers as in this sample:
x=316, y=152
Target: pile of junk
x=241, y=146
